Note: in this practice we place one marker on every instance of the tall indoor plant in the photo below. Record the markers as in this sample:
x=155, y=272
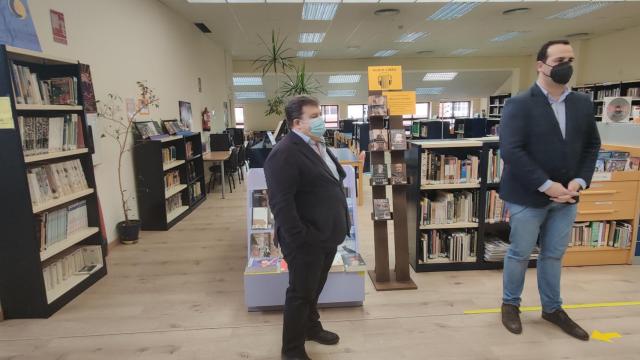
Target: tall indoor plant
x=119, y=128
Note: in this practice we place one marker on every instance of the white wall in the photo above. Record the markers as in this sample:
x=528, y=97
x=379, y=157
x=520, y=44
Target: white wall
x=125, y=41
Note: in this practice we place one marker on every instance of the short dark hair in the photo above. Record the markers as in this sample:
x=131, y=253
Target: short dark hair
x=543, y=54
x=293, y=110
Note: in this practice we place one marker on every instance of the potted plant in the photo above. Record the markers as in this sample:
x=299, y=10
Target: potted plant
x=119, y=128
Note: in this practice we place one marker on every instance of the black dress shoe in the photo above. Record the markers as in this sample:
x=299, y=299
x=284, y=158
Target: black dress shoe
x=324, y=337
x=564, y=322
x=511, y=318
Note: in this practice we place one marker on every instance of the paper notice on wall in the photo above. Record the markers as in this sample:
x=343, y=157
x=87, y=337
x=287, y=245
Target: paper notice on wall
x=6, y=116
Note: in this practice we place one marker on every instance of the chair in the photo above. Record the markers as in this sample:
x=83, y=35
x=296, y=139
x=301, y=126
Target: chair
x=230, y=169
x=242, y=160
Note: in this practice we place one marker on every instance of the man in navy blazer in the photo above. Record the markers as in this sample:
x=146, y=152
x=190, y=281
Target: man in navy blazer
x=306, y=195
x=549, y=143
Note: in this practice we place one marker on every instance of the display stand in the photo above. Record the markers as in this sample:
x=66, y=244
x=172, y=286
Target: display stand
x=264, y=291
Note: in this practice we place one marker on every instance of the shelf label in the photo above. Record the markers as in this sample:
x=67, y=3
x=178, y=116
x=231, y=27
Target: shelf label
x=6, y=116
x=385, y=78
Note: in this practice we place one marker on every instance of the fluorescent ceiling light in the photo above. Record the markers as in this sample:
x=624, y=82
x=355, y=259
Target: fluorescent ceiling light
x=307, y=53
x=244, y=1
x=453, y=10
x=443, y=76
x=411, y=37
x=463, y=51
x=285, y=1
x=344, y=79
x=319, y=11
x=429, y=91
x=307, y=38
x=247, y=81
x=207, y=1
x=579, y=10
x=341, y=93
x=385, y=53
x=250, y=95
x=507, y=36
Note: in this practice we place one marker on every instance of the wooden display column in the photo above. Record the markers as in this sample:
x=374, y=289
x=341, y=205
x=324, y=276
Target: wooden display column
x=383, y=279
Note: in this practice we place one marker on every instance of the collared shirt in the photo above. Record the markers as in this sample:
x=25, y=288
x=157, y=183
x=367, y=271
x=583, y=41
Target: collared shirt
x=321, y=149
x=560, y=110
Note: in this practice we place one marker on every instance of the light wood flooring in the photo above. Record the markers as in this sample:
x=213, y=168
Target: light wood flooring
x=179, y=295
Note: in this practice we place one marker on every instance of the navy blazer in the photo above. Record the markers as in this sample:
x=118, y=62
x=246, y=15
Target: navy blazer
x=533, y=149
x=308, y=203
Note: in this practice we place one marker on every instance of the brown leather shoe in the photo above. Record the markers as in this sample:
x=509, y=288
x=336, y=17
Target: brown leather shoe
x=564, y=322
x=511, y=318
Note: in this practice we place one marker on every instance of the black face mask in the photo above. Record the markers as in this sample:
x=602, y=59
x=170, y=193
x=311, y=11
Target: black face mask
x=561, y=73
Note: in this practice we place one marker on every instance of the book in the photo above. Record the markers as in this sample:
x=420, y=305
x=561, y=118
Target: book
x=146, y=129
x=259, y=198
x=377, y=105
x=260, y=218
x=634, y=163
x=353, y=262
x=597, y=234
x=51, y=181
x=263, y=266
x=495, y=250
x=448, y=246
x=263, y=246
x=86, y=86
x=174, y=202
x=31, y=88
x=82, y=261
x=169, y=154
x=42, y=135
x=338, y=264
x=449, y=169
x=379, y=140
x=398, y=139
x=381, y=209
x=398, y=174
x=379, y=174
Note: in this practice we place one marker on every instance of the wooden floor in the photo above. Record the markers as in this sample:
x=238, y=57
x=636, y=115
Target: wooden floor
x=179, y=295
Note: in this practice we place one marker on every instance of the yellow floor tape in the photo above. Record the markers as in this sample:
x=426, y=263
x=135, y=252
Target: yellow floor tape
x=578, y=306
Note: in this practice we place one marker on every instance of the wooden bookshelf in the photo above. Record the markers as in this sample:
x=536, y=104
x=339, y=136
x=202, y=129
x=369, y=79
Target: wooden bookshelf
x=63, y=245
x=22, y=284
x=150, y=172
x=54, y=155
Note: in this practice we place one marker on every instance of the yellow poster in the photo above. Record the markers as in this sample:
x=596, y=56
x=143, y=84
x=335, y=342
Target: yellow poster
x=401, y=102
x=385, y=78
x=6, y=117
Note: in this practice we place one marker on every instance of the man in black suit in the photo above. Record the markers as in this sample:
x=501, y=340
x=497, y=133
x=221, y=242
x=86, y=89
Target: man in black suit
x=549, y=143
x=306, y=195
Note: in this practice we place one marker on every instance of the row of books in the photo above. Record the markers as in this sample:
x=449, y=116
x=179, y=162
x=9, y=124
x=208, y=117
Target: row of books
x=195, y=192
x=381, y=209
x=380, y=174
x=58, y=225
x=615, y=234
x=448, y=169
x=383, y=139
x=54, y=180
x=449, y=245
x=169, y=154
x=29, y=88
x=601, y=94
x=495, y=166
x=192, y=174
x=344, y=261
x=609, y=161
x=189, y=149
x=81, y=262
x=496, y=210
x=377, y=105
x=41, y=135
x=449, y=207
x=173, y=202
x=634, y=92
x=171, y=179
x=262, y=245
x=495, y=250
x=261, y=216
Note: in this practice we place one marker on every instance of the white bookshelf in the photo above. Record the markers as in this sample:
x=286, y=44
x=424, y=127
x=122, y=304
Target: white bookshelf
x=54, y=155
x=61, y=200
x=73, y=239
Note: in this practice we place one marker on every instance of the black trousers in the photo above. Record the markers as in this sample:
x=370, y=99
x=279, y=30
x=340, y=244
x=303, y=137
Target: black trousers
x=308, y=271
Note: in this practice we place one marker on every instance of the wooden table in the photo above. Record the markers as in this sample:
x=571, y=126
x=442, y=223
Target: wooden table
x=347, y=157
x=218, y=158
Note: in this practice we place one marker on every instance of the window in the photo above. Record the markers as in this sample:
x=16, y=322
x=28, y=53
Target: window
x=239, y=115
x=423, y=110
x=330, y=113
x=357, y=111
x=455, y=109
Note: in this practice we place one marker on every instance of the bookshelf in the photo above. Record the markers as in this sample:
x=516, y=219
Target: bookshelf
x=496, y=104
x=599, y=91
x=612, y=196
x=266, y=290
x=26, y=255
x=161, y=207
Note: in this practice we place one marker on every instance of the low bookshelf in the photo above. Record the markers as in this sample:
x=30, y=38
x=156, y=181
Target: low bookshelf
x=169, y=179
x=265, y=288
x=496, y=105
x=599, y=91
x=52, y=249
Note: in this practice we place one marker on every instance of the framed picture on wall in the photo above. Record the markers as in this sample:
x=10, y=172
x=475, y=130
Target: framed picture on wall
x=185, y=114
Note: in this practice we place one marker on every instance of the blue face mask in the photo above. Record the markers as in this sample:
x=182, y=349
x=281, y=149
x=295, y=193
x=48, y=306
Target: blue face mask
x=317, y=127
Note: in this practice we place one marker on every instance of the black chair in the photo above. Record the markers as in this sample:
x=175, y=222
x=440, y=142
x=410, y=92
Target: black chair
x=242, y=160
x=230, y=169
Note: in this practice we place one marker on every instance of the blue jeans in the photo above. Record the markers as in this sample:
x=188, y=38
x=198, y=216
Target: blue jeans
x=551, y=227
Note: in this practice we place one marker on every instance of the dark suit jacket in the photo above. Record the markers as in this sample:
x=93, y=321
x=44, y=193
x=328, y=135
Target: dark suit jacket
x=308, y=203
x=533, y=149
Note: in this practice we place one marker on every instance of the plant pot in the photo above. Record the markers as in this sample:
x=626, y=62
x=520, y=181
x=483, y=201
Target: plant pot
x=128, y=231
